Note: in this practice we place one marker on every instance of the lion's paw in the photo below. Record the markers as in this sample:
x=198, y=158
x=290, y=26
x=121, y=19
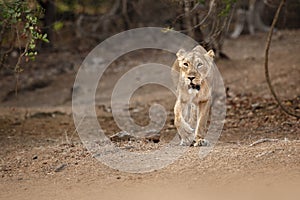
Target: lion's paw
x=201, y=143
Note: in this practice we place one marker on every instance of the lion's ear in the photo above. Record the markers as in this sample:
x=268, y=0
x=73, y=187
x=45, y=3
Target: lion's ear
x=211, y=54
x=180, y=54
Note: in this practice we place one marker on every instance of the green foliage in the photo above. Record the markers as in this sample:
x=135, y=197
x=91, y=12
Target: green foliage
x=58, y=25
x=90, y=7
x=201, y=2
x=19, y=27
x=227, y=7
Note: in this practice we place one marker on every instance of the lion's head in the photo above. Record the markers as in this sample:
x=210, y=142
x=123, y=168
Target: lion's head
x=195, y=66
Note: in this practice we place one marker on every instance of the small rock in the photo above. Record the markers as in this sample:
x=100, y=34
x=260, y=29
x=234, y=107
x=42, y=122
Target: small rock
x=256, y=106
x=60, y=167
x=250, y=114
x=34, y=157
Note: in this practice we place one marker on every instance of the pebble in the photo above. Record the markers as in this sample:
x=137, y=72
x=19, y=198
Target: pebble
x=60, y=167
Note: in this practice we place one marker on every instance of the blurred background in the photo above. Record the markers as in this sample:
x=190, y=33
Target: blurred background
x=59, y=34
x=42, y=46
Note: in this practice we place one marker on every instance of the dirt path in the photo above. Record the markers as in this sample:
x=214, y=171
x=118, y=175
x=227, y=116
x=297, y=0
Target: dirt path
x=230, y=169
x=42, y=156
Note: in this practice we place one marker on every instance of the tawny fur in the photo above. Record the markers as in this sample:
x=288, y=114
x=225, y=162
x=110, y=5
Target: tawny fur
x=192, y=72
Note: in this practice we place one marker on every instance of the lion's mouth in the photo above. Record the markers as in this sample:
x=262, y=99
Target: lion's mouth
x=194, y=86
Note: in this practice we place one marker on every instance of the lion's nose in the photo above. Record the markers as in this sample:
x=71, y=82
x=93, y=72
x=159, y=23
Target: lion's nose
x=191, y=77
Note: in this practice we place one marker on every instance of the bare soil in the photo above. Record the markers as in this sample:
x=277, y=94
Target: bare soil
x=42, y=156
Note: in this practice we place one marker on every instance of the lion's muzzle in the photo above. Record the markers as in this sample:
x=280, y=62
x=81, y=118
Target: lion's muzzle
x=194, y=86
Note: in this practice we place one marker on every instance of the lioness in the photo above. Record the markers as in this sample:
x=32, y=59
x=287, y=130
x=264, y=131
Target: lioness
x=193, y=73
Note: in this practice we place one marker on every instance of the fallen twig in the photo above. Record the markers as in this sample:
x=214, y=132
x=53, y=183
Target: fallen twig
x=60, y=167
x=151, y=135
x=262, y=141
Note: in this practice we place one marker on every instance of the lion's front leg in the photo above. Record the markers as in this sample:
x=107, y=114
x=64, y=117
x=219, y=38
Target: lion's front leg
x=185, y=131
x=202, y=118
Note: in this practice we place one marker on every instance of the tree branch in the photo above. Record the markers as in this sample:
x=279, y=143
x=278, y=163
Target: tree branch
x=267, y=59
x=211, y=6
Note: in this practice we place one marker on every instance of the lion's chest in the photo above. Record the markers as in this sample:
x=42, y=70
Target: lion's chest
x=189, y=96
x=192, y=96
x=189, y=106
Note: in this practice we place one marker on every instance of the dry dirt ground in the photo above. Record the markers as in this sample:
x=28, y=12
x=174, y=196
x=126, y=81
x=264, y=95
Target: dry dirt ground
x=42, y=156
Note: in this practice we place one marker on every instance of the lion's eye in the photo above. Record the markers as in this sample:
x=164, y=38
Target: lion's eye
x=199, y=65
x=186, y=64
